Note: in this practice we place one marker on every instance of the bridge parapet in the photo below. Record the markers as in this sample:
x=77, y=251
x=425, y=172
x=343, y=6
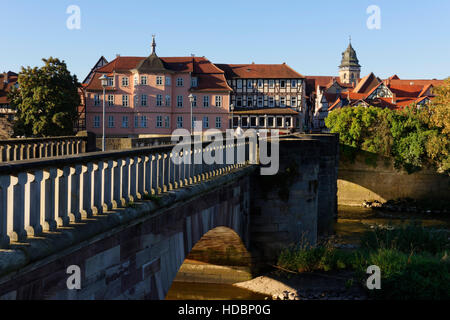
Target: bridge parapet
x=43, y=195
x=33, y=148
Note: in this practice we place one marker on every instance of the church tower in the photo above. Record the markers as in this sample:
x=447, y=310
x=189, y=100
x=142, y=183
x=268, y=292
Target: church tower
x=349, y=70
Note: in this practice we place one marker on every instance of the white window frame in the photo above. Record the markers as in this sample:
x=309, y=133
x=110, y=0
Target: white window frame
x=249, y=84
x=159, y=100
x=239, y=83
x=125, y=81
x=179, y=101
x=218, y=122
x=144, y=100
x=294, y=83
x=205, y=101
x=180, y=122
x=218, y=101
x=96, y=99
x=125, y=100
x=271, y=83
x=205, y=122
x=283, y=83
x=168, y=81
x=166, y=122
x=143, y=80
x=194, y=82
x=159, y=121
x=180, y=82
x=271, y=102
x=260, y=83
x=293, y=101
x=110, y=100
x=256, y=121
x=144, y=122
x=110, y=82
x=159, y=80
x=260, y=101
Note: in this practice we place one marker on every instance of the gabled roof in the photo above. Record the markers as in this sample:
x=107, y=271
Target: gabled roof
x=259, y=71
x=100, y=62
x=366, y=84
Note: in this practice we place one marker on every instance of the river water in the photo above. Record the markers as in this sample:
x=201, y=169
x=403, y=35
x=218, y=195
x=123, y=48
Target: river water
x=351, y=223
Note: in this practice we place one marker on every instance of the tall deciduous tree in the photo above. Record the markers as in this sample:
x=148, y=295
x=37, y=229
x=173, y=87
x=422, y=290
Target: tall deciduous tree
x=46, y=100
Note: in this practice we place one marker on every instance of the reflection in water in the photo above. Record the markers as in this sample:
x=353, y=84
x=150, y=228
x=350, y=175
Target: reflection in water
x=210, y=291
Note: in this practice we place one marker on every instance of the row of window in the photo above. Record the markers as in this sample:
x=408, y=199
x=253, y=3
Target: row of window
x=159, y=100
x=143, y=80
x=254, y=121
x=161, y=122
x=260, y=83
x=251, y=102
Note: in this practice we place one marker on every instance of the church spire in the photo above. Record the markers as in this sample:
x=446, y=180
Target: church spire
x=153, y=45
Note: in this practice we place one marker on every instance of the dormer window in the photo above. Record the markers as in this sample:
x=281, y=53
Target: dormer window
x=194, y=82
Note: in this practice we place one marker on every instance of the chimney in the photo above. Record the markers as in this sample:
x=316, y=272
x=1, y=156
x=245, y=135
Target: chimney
x=5, y=77
x=117, y=55
x=394, y=98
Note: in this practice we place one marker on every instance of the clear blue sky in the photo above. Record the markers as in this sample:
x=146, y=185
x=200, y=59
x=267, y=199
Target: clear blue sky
x=413, y=42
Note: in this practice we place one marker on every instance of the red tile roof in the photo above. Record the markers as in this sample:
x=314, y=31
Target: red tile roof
x=210, y=77
x=259, y=71
x=5, y=87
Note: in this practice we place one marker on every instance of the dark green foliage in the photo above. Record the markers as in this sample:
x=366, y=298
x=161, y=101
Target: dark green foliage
x=413, y=260
x=403, y=135
x=46, y=101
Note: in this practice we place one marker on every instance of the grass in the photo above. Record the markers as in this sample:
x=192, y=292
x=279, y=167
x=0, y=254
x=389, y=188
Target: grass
x=413, y=260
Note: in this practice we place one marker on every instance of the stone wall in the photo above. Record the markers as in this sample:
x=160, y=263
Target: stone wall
x=367, y=177
x=140, y=256
x=299, y=203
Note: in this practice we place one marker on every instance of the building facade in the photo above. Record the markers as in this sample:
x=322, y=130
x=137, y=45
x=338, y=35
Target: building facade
x=266, y=96
x=150, y=96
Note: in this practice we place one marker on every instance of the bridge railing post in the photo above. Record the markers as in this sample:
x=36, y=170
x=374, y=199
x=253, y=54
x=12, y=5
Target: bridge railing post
x=140, y=176
x=73, y=204
x=4, y=185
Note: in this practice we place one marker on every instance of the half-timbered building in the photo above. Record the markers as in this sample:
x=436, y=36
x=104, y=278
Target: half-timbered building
x=266, y=96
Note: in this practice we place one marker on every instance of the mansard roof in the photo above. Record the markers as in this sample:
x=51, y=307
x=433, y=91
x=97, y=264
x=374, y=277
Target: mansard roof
x=259, y=71
x=210, y=77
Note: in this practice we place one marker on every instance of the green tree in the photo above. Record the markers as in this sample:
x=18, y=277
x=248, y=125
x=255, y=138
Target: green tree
x=46, y=101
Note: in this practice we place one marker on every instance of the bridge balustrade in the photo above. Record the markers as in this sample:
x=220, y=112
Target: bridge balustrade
x=34, y=148
x=37, y=196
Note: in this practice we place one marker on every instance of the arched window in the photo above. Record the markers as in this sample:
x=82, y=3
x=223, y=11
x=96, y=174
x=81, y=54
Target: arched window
x=345, y=76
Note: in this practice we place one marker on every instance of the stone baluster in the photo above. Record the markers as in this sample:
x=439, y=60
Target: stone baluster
x=198, y=164
x=16, y=207
x=153, y=174
x=33, y=218
x=140, y=176
x=4, y=185
x=16, y=152
x=165, y=172
x=8, y=153
x=74, y=193
x=157, y=177
x=1, y=153
x=48, y=199
x=147, y=183
x=125, y=181
x=133, y=179
x=190, y=176
x=185, y=167
x=86, y=190
x=22, y=152
x=176, y=169
x=41, y=150
x=107, y=185
x=73, y=147
x=97, y=188
x=28, y=151
x=171, y=169
x=116, y=181
x=61, y=195
x=34, y=150
x=77, y=147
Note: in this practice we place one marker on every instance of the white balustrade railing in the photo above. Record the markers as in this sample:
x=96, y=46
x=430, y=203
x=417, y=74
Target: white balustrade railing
x=42, y=195
x=37, y=148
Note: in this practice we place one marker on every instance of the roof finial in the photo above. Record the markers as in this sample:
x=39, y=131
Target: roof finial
x=350, y=39
x=153, y=44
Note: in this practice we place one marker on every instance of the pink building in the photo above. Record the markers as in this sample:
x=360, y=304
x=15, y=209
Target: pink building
x=150, y=96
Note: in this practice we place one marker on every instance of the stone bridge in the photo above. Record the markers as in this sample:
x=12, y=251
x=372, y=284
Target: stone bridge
x=127, y=219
